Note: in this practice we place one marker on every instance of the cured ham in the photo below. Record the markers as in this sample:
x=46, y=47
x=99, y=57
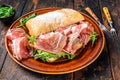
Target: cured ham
x=65, y=30
x=53, y=42
x=68, y=39
x=79, y=28
x=20, y=48
x=15, y=33
x=19, y=43
x=86, y=34
x=77, y=36
x=73, y=43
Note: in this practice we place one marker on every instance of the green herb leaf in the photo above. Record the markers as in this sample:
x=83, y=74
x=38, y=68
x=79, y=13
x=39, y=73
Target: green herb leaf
x=32, y=39
x=45, y=55
x=32, y=16
x=6, y=11
x=34, y=52
x=93, y=37
x=37, y=56
x=69, y=56
x=24, y=20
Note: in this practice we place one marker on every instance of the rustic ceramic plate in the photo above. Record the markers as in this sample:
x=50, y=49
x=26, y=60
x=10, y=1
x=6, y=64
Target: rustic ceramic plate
x=85, y=58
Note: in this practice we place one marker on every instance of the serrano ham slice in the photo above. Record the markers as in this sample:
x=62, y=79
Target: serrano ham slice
x=15, y=33
x=19, y=43
x=19, y=48
x=86, y=34
x=53, y=42
x=73, y=43
x=77, y=36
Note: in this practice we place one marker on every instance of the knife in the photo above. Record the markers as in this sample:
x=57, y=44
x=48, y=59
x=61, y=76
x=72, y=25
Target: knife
x=96, y=18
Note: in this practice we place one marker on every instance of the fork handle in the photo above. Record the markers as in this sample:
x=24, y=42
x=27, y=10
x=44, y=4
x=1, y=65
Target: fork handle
x=107, y=14
x=91, y=13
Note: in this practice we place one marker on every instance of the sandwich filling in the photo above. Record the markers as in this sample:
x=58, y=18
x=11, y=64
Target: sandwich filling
x=65, y=40
x=49, y=45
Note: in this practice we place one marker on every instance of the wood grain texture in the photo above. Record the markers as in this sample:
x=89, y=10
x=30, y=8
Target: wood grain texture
x=19, y=73
x=63, y=3
x=114, y=43
x=37, y=4
x=3, y=30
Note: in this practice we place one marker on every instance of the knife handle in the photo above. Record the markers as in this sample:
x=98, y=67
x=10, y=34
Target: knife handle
x=107, y=14
x=91, y=13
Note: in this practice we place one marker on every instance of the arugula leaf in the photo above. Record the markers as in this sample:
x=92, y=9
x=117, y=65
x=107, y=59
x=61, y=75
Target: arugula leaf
x=6, y=11
x=93, y=37
x=32, y=39
x=32, y=16
x=45, y=55
x=38, y=54
x=34, y=51
x=24, y=20
x=69, y=56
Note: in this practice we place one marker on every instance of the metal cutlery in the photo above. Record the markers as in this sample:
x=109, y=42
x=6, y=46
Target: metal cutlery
x=107, y=14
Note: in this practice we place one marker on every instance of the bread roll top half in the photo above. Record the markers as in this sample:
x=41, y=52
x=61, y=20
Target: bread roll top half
x=51, y=21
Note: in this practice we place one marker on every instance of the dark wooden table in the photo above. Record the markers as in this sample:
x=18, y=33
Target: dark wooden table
x=106, y=67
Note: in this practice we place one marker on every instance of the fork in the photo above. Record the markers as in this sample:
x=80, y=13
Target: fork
x=107, y=14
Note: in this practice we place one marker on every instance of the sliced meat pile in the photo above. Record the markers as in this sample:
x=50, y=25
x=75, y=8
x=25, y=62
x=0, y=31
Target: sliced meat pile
x=19, y=40
x=68, y=39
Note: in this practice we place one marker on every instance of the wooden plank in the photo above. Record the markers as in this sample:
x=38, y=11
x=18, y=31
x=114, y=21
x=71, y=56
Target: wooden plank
x=64, y=3
x=3, y=29
x=2, y=47
x=16, y=72
x=100, y=69
x=37, y=4
x=114, y=45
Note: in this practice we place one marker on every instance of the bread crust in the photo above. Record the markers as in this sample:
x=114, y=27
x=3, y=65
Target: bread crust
x=52, y=20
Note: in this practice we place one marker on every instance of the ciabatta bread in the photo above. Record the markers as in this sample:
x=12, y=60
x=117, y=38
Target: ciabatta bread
x=52, y=20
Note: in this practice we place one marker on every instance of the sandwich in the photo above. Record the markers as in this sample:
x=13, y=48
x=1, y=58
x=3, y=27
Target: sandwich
x=52, y=36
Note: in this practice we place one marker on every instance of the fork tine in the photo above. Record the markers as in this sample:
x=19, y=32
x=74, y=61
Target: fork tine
x=114, y=34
